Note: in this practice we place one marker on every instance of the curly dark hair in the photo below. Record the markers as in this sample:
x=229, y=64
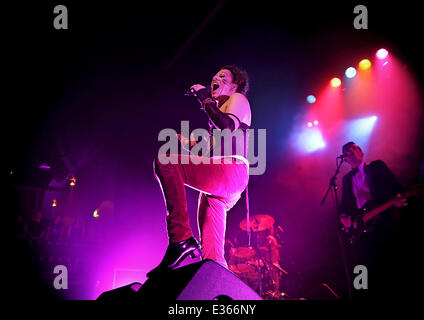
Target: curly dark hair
x=240, y=78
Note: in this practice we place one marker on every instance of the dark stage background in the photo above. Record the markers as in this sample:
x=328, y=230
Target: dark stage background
x=92, y=99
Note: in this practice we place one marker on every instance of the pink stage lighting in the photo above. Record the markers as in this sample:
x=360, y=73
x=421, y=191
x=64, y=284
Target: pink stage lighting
x=382, y=54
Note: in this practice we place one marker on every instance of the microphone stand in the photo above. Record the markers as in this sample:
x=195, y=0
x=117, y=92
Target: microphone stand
x=258, y=257
x=333, y=186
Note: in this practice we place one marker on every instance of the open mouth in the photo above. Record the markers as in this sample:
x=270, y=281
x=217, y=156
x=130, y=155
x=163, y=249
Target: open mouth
x=215, y=86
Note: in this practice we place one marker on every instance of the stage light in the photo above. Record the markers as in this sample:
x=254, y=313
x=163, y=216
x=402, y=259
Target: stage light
x=365, y=64
x=309, y=124
x=335, y=82
x=311, y=98
x=386, y=62
x=54, y=204
x=72, y=181
x=382, y=54
x=310, y=140
x=96, y=214
x=316, y=122
x=360, y=130
x=350, y=72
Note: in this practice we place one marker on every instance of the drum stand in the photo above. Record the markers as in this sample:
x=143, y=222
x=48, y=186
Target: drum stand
x=259, y=258
x=258, y=223
x=258, y=261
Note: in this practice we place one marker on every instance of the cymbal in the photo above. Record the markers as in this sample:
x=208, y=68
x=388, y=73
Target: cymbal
x=243, y=252
x=258, y=222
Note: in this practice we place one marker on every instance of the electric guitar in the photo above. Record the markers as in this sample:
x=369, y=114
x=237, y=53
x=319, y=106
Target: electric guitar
x=365, y=214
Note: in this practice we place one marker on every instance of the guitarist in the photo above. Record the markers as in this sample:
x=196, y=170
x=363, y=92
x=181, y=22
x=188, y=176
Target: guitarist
x=368, y=186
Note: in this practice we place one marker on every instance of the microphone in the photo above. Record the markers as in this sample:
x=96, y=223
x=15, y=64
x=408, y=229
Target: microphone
x=342, y=156
x=190, y=92
x=193, y=93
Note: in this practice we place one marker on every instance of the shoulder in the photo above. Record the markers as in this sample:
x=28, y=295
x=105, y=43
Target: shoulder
x=378, y=168
x=238, y=105
x=238, y=98
x=377, y=164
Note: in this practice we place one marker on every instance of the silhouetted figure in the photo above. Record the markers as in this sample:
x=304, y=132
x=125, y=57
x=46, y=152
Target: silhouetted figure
x=37, y=227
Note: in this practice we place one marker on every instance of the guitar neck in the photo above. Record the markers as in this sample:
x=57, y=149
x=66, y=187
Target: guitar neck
x=369, y=215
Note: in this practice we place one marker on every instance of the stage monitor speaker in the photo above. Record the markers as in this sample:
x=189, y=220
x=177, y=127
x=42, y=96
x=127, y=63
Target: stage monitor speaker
x=205, y=280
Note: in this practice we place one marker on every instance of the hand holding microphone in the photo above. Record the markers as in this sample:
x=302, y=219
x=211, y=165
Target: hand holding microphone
x=209, y=105
x=202, y=93
x=197, y=87
x=344, y=155
x=193, y=90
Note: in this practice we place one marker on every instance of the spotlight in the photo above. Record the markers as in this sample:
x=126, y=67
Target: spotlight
x=335, y=82
x=72, y=181
x=311, y=98
x=382, y=54
x=350, y=72
x=316, y=122
x=310, y=140
x=54, y=203
x=365, y=64
x=309, y=124
x=96, y=214
x=361, y=129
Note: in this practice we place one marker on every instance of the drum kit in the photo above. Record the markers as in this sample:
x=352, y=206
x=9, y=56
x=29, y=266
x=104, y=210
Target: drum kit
x=258, y=265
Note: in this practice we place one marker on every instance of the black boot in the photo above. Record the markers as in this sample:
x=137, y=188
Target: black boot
x=175, y=254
